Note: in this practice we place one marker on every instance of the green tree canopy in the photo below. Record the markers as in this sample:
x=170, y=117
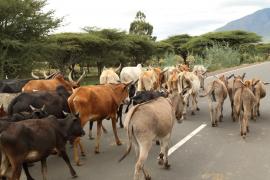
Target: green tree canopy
x=140, y=27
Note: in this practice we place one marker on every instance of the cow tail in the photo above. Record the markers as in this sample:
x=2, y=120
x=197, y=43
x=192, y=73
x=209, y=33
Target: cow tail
x=210, y=91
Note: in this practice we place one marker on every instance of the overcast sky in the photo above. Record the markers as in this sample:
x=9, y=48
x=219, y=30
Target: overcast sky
x=168, y=17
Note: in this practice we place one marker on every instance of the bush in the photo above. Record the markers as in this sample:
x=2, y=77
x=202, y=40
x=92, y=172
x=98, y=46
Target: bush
x=218, y=57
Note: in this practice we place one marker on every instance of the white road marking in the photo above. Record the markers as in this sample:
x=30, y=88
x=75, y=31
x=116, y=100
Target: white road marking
x=189, y=136
x=183, y=141
x=234, y=70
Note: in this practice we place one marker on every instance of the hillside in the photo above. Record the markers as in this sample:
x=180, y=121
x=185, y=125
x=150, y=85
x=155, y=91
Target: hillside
x=258, y=22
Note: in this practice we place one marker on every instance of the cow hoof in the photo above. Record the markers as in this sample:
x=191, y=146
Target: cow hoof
x=147, y=177
x=160, y=161
x=91, y=137
x=248, y=129
x=213, y=125
x=157, y=142
x=179, y=121
x=78, y=163
x=97, y=151
x=167, y=165
x=198, y=109
x=74, y=176
x=192, y=113
x=118, y=143
x=121, y=126
x=82, y=154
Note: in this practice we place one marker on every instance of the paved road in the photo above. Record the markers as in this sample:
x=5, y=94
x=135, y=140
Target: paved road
x=212, y=154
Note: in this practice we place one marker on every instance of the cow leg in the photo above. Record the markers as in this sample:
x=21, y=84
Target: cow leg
x=119, y=115
x=16, y=171
x=66, y=159
x=44, y=168
x=212, y=115
x=25, y=168
x=99, y=124
x=143, y=154
x=90, y=130
x=193, y=104
x=75, y=151
x=118, y=142
x=258, y=109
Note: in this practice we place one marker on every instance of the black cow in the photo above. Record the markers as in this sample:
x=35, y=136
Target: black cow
x=34, y=140
x=34, y=114
x=55, y=102
x=12, y=85
x=143, y=96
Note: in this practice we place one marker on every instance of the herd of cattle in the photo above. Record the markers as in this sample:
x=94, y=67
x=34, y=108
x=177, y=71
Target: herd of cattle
x=39, y=115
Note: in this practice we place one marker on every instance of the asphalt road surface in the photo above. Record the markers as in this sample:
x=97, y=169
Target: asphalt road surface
x=212, y=154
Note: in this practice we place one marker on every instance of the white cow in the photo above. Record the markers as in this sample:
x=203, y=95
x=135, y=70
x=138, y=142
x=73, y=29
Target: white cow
x=130, y=73
x=200, y=71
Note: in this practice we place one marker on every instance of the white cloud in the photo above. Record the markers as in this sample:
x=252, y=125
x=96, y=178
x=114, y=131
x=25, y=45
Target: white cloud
x=168, y=17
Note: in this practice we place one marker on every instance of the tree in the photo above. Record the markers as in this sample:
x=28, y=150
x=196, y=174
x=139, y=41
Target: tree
x=232, y=38
x=22, y=24
x=178, y=42
x=140, y=27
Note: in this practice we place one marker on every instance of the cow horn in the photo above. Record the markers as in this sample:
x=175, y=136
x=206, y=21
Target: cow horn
x=243, y=76
x=65, y=113
x=135, y=81
x=164, y=71
x=45, y=75
x=70, y=76
x=266, y=83
x=204, y=72
x=118, y=69
x=242, y=82
x=34, y=76
x=43, y=107
x=6, y=77
x=232, y=75
x=32, y=107
x=81, y=77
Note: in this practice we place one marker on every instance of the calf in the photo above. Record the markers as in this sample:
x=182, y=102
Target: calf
x=34, y=140
x=145, y=122
x=200, y=71
x=217, y=93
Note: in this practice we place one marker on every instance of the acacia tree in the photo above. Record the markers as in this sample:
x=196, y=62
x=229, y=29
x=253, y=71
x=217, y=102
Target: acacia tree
x=22, y=24
x=140, y=27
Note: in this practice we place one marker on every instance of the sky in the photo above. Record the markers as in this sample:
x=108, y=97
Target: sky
x=168, y=17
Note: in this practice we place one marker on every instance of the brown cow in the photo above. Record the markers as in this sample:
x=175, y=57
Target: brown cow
x=51, y=84
x=95, y=103
x=150, y=79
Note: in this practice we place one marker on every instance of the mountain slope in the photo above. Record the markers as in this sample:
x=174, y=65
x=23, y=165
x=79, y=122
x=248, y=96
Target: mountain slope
x=258, y=22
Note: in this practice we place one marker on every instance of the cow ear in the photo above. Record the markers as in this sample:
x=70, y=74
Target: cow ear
x=128, y=84
x=243, y=76
x=256, y=82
